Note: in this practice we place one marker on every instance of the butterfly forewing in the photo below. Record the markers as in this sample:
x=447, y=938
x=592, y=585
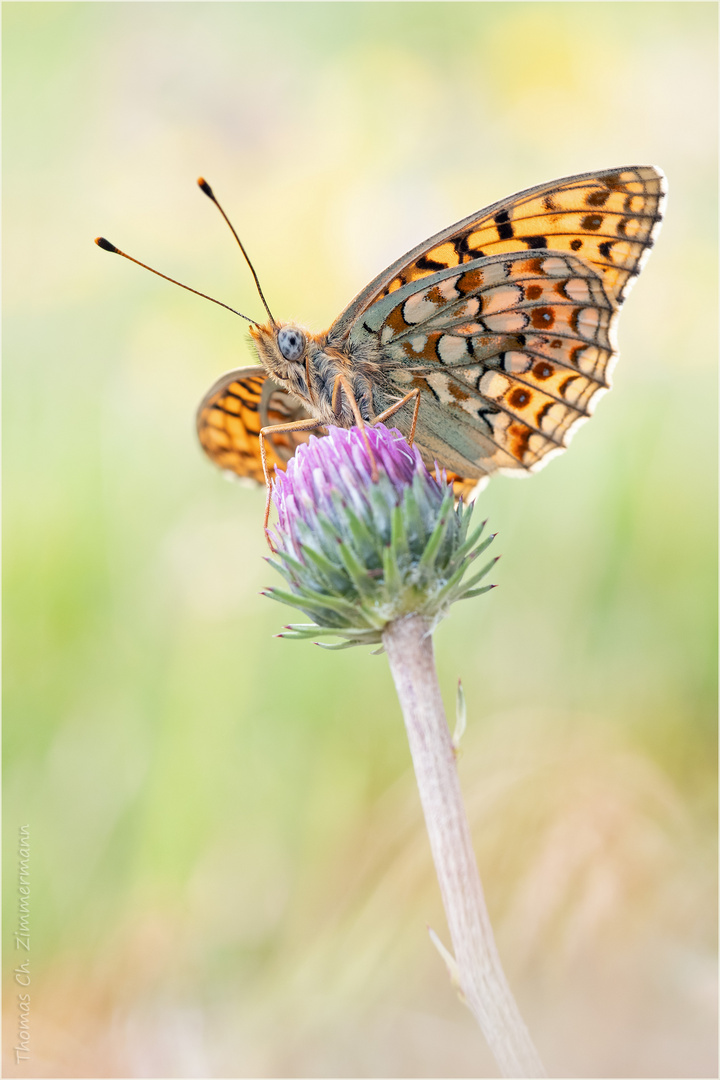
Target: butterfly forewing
x=607, y=218
x=230, y=417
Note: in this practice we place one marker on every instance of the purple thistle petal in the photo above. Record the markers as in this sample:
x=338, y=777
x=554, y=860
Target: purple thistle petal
x=340, y=463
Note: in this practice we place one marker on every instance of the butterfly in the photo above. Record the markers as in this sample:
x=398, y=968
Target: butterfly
x=495, y=338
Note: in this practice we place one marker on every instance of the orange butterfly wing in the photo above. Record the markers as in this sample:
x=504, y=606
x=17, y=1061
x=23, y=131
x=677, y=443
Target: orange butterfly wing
x=231, y=414
x=607, y=218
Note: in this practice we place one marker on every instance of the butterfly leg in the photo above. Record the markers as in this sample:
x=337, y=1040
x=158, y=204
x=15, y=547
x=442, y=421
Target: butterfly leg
x=296, y=425
x=341, y=383
x=397, y=406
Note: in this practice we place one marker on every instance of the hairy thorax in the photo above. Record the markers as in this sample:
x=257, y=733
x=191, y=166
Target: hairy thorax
x=317, y=373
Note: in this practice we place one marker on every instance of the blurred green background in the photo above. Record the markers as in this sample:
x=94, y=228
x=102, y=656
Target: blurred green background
x=230, y=875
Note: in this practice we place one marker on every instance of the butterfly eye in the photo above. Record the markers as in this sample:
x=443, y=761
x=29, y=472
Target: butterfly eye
x=291, y=343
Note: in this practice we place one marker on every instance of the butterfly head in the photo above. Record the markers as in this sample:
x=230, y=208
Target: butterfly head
x=283, y=349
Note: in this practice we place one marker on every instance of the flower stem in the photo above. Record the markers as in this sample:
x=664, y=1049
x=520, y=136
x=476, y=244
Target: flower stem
x=408, y=644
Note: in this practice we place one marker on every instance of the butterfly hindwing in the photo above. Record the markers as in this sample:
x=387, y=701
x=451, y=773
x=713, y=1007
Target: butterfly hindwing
x=515, y=348
x=231, y=414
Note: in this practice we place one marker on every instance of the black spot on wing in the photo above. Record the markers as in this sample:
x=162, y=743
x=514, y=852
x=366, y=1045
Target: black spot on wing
x=504, y=228
x=423, y=263
x=463, y=250
x=597, y=197
x=591, y=222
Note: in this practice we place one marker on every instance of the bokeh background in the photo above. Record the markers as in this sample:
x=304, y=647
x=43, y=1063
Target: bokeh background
x=230, y=875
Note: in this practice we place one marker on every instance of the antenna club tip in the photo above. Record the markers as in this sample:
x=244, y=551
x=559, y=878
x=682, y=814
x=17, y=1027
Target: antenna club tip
x=204, y=186
x=105, y=244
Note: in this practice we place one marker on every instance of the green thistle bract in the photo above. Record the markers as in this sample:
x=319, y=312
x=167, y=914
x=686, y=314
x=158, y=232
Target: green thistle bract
x=358, y=554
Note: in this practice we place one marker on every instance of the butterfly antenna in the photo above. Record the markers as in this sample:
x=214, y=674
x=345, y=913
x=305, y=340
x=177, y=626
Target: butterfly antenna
x=107, y=246
x=204, y=186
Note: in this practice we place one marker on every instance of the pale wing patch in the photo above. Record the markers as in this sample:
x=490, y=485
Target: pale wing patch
x=452, y=349
x=501, y=298
x=517, y=362
x=506, y=322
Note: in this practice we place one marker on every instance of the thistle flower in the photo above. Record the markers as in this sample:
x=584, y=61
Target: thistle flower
x=374, y=550
x=359, y=554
